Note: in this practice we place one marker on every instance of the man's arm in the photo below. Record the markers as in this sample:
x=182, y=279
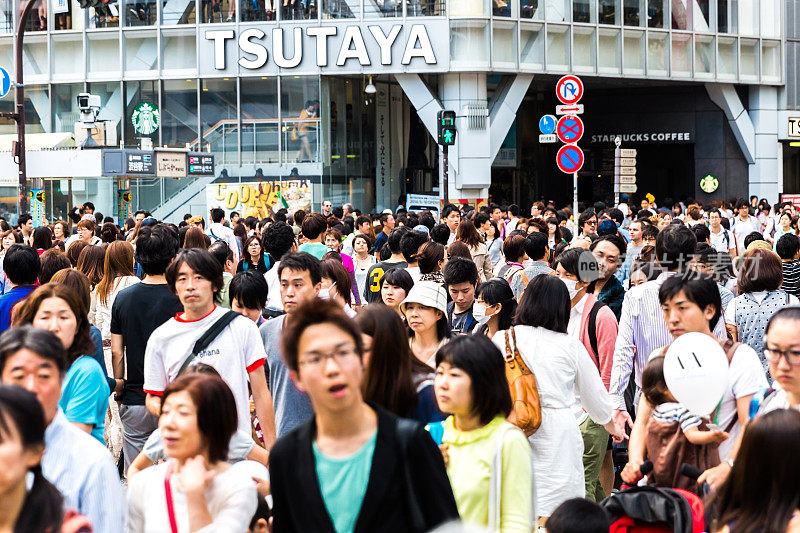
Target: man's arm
x=117, y=356
x=622, y=363
x=717, y=475
x=264, y=409
x=153, y=404
x=636, y=444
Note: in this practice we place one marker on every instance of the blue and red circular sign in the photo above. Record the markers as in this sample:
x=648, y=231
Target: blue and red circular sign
x=569, y=159
x=569, y=89
x=569, y=129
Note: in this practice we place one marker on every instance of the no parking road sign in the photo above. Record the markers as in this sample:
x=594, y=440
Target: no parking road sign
x=569, y=159
x=569, y=89
x=569, y=129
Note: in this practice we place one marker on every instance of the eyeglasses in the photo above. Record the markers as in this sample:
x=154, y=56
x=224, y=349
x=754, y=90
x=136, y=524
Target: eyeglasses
x=315, y=359
x=592, y=222
x=773, y=356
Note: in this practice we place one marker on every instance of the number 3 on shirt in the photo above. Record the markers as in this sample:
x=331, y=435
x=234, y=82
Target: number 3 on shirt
x=375, y=282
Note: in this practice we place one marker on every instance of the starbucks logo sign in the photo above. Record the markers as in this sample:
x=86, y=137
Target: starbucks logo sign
x=145, y=118
x=709, y=183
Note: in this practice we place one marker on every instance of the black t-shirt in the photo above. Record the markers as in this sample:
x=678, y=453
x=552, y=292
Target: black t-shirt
x=372, y=290
x=136, y=313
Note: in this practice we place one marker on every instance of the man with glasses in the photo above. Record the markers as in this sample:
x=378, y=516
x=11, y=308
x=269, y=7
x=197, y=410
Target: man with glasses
x=326, y=208
x=355, y=466
x=587, y=227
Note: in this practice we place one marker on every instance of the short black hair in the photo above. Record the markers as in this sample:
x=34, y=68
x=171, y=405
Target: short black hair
x=39, y=341
x=482, y=361
x=787, y=246
x=249, y=289
x=221, y=252
x=675, y=246
x=545, y=303
x=395, y=238
x=21, y=264
x=654, y=386
x=578, y=515
x=278, y=240
x=480, y=219
x=313, y=225
x=701, y=232
x=440, y=233
x=449, y=208
x=741, y=202
x=410, y=243
x=699, y=289
x=536, y=245
x=398, y=277
x=202, y=262
x=513, y=209
x=615, y=215
x=498, y=291
x=156, y=246
x=579, y=262
x=614, y=239
x=649, y=231
x=217, y=215
x=24, y=218
x=302, y=262
x=753, y=236
x=460, y=270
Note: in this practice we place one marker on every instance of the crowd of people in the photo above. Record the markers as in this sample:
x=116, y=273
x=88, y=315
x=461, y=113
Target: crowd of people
x=397, y=371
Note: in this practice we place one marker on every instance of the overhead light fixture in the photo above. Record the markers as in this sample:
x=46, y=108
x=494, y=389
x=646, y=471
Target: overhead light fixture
x=370, y=88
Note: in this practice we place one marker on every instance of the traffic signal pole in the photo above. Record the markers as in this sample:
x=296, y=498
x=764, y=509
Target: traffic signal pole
x=444, y=175
x=19, y=106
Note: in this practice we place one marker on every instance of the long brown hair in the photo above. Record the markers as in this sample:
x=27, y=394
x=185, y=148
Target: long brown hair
x=90, y=263
x=196, y=238
x=118, y=263
x=468, y=233
x=388, y=380
x=82, y=344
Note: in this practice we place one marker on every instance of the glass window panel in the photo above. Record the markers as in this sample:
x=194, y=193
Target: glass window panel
x=583, y=11
x=657, y=13
x=62, y=15
x=681, y=54
x=385, y=8
x=631, y=13
x=557, y=47
x=7, y=16
x=584, y=57
x=681, y=16
x=139, y=12
x=468, y=42
x=179, y=51
x=704, y=56
x=340, y=9
x=177, y=12
x=657, y=54
x=7, y=54
x=727, y=58
x=770, y=18
x=218, y=119
x=34, y=58
x=300, y=118
x=465, y=8
x=137, y=92
x=608, y=51
x=529, y=9
x=633, y=60
x=37, y=109
x=179, y=112
x=727, y=16
x=65, y=106
x=141, y=51
x=103, y=53
x=103, y=16
x=531, y=52
x=748, y=17
x=504, y=45
x=557, y=10
x=298, y=10
x=252, y=10
x=504, y=8
x=37, y=20
x=259, y=120
x=426, y=8
x=771, y=60
x=222, y=10
x=749, y=58
x=110, y=94
x=68, y=56
x=701, y=16
x=609, y=12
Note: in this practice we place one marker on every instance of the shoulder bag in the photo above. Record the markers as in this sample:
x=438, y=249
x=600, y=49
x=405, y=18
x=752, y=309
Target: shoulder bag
x=208, y=337
x=527, y=410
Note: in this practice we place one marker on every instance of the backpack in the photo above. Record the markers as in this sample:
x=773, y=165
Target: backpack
x=592, y=324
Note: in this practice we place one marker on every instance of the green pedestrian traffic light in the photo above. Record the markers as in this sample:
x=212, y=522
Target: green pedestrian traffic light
x=446, y=121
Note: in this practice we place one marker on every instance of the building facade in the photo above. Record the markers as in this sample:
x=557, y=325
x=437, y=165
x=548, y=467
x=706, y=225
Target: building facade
x=276, y=91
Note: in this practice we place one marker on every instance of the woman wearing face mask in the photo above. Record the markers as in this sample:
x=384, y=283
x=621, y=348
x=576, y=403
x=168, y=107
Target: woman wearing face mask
x=395, y=285
x=336, y=284
x=494, y=307
x=84, y=397
x=594, y=324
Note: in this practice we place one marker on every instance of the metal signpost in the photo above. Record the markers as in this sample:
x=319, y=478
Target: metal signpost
x=569, y=91
x=624, y=170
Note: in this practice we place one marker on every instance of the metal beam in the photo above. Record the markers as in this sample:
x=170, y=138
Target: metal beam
x=504, y=106
x=725, y=96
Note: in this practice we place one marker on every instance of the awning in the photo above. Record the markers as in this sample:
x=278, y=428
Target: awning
x=39, y=141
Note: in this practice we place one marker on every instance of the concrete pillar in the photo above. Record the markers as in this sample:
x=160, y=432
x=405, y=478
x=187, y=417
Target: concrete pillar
x=765, y=174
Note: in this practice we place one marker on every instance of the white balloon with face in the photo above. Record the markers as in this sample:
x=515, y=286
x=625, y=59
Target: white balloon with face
x=696, y=372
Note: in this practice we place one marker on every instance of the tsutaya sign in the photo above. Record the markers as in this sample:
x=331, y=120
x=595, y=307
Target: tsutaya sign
x=329, y=47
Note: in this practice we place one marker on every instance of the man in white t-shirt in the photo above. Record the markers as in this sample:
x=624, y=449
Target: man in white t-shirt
x=237, y=353
x=217, y=231
x=691, y=303
x=743, y=225
x=721, y=239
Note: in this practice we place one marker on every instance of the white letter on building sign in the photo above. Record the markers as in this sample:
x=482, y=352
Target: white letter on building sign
x=353, y=37
x=419, y=33
x=277, y=48
x=249, y=47
x=321, y=34
x=219, y=37
x=385, y=41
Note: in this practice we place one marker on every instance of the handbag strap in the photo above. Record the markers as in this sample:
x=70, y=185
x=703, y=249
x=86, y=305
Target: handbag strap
x=208, y=337
x=496, y=480
x=173, y=524
x=406, y=430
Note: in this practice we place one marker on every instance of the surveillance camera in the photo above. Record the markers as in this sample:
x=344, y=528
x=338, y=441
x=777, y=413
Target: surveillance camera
x=89, y=106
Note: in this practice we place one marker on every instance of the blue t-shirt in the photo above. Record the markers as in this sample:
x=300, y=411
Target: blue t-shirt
x=84, y=395
x=7, y=302
x=314, y=248
x=343, y=483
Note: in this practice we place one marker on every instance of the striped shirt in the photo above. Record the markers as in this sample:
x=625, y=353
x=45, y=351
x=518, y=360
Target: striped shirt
x=83, y=471
x=671, y=412
x=791, y=277
x=641, y=330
